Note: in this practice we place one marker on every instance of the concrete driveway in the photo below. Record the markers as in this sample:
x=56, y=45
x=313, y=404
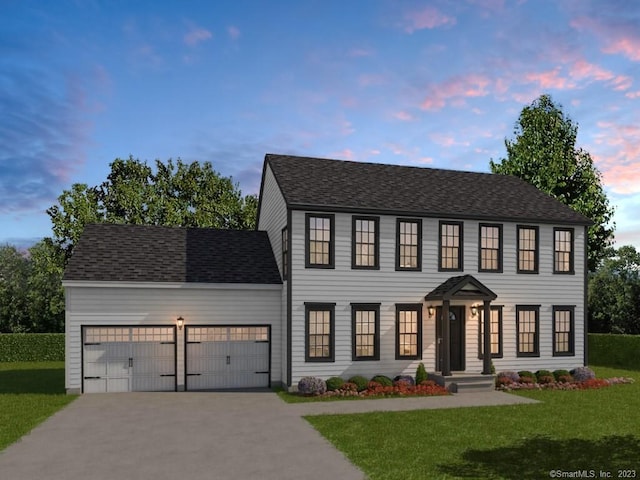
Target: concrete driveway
x=193, y=436
x=174, y=436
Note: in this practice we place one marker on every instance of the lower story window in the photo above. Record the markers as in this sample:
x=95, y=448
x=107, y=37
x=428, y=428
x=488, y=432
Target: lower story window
x=365, y=320
x=319, y=332
x=528, y=325
x=408, y=331
x=563, y=334
x=496, y=332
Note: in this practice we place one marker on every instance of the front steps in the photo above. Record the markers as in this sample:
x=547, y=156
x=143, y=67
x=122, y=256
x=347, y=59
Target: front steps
x=465, y=382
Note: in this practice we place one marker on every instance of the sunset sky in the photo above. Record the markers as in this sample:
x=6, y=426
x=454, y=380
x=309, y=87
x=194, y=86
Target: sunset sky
x=425, y=83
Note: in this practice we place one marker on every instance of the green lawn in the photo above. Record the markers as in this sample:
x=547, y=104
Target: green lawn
x=30, y=392
x=570, y=430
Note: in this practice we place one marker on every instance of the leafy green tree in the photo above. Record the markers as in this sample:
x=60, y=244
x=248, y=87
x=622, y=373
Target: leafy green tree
x=45, y=295
x=174, y=194
x=14, y=274
x=544, y=153
x=614, y=294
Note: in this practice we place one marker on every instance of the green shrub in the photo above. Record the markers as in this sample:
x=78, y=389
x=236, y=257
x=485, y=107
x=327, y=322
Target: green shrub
x=32, y=347
x=616, y=351
x=334, y=383
x=560, y=373
x=527, y=374
x=360, y=381
x=383, y=380
x=543, y=373
x=421, y=374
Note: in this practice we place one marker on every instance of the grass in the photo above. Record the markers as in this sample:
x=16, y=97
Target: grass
x=567, y=431
x=30, y=392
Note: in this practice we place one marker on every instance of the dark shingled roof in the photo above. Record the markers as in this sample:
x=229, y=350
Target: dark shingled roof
x=314, y=183
x=138, y=253
x=457, y=287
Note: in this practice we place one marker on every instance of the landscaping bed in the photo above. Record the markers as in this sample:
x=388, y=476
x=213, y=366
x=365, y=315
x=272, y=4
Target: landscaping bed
x=581, y=378
x=379, y=386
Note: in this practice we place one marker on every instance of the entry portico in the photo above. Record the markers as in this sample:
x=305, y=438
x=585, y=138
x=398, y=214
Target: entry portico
x=463, y=288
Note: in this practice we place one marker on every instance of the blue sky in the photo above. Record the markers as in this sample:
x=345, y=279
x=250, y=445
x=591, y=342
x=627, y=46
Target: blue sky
x=429, y=83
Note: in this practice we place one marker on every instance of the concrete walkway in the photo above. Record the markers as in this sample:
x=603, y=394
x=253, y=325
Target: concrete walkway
x=157, y=436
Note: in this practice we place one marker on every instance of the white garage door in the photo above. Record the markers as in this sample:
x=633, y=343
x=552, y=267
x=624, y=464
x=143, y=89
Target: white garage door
x=227, y=357
x=129, y=359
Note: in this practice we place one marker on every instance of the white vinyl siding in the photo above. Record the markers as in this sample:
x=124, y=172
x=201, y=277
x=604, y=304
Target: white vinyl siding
x=272, y=216
x=388, y=287
x=131, y=305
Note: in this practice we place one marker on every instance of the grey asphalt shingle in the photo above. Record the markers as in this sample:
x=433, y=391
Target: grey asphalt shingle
x=139, y=253
x=355, y=186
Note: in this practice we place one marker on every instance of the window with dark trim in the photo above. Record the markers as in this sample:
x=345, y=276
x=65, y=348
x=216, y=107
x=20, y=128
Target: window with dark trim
x=528, y=330
x=528, y=246
x=319, y=332
x=365, y=328
x=563, y=250
x=563, y=331
x=490, y=251
x=450, y=246
x=285, y=253
x=496, y=332
x=408, y=331
x=408, y=244
x=320, y=240
x=365, y=243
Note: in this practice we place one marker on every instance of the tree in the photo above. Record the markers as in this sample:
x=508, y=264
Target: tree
x=174, y=194
x=14, y=274
x=544, y=154
x=614, y=294
x=45, y=295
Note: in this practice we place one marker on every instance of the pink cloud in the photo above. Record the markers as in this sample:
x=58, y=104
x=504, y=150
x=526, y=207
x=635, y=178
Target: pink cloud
x=550, y=79
x=403, y=116
x=584, y=69
x=427, y=18
x=345, y=154
x=196, y=35
x=633, y=95
x=617, y=151
x=623, y=179
x=456, y=90
x=619, y=37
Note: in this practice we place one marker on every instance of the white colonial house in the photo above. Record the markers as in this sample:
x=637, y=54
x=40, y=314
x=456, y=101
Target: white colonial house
x=351, y=271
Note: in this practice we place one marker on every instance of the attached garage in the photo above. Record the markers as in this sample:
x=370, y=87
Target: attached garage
x=170, y=309
x=227, y=357
x=129, y=359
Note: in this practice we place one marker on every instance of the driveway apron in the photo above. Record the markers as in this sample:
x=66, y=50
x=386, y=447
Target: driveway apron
x=190, y=436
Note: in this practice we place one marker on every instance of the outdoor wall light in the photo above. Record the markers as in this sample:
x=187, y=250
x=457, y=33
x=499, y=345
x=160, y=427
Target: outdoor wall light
x=430, y=310
x=180, y=322
x=474, y=310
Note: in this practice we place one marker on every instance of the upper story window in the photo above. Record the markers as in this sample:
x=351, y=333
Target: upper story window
x=490, y=251
x=285, y=253
x=528, y=247
x=563, y=250
x=365, y=245
x=320, y=240
x=450, y=252
x=528, y=330
x=408, y=244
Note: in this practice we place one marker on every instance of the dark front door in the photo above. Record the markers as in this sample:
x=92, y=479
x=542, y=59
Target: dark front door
x=456, y=338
